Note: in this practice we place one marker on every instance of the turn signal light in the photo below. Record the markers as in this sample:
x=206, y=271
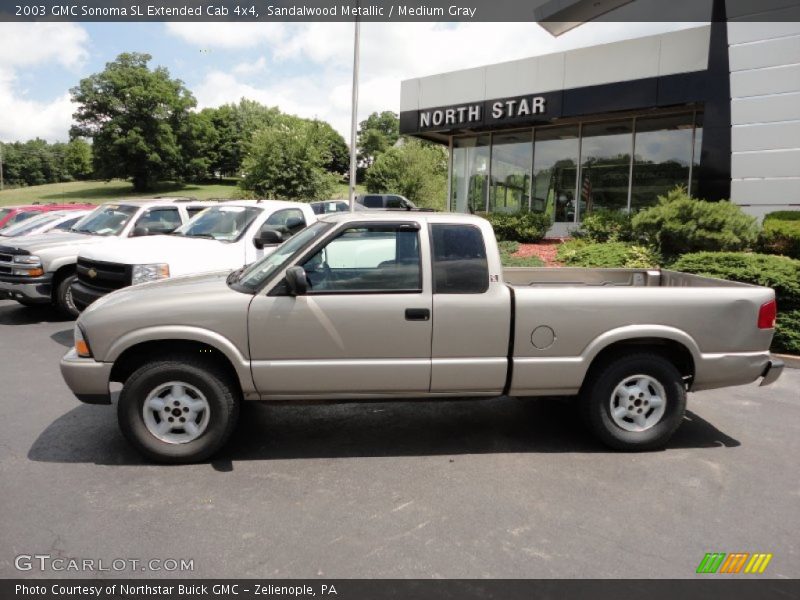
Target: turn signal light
x=767, y=315
x=82, y=348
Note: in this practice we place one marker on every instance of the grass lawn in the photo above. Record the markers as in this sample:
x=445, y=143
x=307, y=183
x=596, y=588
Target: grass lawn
x=103, y=191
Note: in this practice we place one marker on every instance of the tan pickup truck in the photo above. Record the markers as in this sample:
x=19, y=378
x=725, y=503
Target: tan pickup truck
x=363, y=306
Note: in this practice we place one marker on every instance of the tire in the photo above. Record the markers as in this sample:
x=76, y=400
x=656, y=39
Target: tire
x=63, y=298
x=200, y=381
x=619, y=402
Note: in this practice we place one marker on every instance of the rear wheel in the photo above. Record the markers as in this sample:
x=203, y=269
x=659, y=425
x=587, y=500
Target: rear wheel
x=635, y=402
x=176, y=411
x=63, y=297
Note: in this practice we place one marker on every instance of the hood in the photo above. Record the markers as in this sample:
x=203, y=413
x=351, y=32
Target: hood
x=197, y=302
x=184, y=255
x=45, y=241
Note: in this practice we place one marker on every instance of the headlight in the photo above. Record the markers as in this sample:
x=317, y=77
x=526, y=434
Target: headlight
x=81, y=345
x=27, y=259
x=145, y=273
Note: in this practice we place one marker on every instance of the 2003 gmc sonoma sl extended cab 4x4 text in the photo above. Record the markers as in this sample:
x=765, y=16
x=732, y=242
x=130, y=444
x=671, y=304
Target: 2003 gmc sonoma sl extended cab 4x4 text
x=390, y=306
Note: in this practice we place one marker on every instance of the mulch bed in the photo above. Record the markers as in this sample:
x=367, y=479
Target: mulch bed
x=546, y=250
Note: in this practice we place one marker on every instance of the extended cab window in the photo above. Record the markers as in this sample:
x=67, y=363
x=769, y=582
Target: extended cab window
x=375, y=258
x=395, y=202
x=459, y=260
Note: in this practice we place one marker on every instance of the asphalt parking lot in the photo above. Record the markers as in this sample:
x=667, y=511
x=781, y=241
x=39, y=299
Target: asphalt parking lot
x=498, y=488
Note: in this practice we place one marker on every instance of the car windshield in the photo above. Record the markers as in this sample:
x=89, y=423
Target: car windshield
x=4, y=212
x=31, y=224
x=109, y=219
x=257, y=273
x=222, y=223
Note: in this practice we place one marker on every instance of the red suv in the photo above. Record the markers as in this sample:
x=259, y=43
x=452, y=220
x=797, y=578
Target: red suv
x=10, y=215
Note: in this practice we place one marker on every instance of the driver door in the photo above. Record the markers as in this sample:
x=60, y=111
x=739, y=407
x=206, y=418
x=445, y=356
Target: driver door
x=364, y=327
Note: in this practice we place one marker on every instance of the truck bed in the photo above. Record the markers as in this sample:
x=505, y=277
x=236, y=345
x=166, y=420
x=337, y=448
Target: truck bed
x=524, y=277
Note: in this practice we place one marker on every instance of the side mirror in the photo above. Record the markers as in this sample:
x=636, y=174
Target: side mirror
x=268, y=237
x=140, y=231
x=297, y=281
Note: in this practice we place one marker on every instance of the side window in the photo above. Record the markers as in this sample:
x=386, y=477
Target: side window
x=23, y=216
x=373, y=201
x=194, y=210
x=459, y=260
x=288, y=221
x=395, y=202
x=160, y=220
x=65, y=225
x=376, y=258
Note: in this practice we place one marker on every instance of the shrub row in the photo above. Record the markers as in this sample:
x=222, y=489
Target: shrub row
x=527, y=227
x=578, y=253
x=781, y=236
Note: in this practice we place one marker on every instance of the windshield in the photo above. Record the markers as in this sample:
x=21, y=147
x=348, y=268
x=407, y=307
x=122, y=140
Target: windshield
x=109, y=219
x=257, y=273
x=4, y=212
x=223, y=223
x=29, y=225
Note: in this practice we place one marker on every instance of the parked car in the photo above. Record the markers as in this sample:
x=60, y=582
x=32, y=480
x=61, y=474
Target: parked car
x=385, y=202
x=414, y=305
x=324, y=207
x=10, y=215
x=225, y=236
x=40, y=269
x=58, y=220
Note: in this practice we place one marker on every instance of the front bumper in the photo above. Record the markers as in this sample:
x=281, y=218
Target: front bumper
x=86, y=378
x=31, y=289
x=83, y=295
x=772, y=371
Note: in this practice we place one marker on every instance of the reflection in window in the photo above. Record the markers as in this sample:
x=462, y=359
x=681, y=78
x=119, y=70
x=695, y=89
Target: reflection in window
x=605, y=166
x=555, y=163
x=662, y=158
x=470, y=174
x=698, y=144
x=511, y=172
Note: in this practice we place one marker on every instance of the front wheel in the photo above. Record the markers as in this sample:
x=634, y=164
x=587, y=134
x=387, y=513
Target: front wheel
x=176, y=411
x=635, y=402
x=63, y=297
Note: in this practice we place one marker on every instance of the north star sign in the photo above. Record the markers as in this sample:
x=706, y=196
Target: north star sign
x=471, y=113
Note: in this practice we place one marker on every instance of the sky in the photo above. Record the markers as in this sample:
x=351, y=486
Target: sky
x=303, y=68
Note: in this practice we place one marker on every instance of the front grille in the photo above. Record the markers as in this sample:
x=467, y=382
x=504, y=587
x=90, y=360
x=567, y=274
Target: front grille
x=6, y=258
x=103, y=275
x=5, y=270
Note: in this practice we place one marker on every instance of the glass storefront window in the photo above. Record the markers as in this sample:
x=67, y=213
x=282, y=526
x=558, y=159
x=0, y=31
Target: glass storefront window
x=698, y=144
x=470, y=174
x=605, y=166
x=662, y=157
x=555, y=164
x=512, y=154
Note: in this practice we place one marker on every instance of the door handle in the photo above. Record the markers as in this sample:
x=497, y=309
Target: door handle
x=418, y=314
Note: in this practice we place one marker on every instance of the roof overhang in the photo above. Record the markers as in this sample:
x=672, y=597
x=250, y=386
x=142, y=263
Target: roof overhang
x=560, y=16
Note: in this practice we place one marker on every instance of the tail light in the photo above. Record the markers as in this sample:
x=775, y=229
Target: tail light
x=767, y=315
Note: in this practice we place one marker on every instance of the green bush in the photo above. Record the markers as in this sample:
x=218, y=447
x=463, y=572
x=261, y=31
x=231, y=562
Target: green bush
x=606, y=226
x=783, y=215
x=526, y=227
x=679, y=224
x=781, y=237
x=578, y=253
x=778, y=272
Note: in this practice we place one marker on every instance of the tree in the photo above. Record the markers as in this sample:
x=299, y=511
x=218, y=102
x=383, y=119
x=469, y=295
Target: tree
x=415, y=169
x=376, y=134
x=135, y=117
x=332, y=142
x=286, y=162
x=78, y=159
x=198, y=139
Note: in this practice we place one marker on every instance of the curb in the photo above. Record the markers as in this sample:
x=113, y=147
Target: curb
x=792, y=362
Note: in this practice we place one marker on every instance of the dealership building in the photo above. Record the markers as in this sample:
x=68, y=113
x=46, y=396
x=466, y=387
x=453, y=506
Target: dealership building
x=713, y=108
